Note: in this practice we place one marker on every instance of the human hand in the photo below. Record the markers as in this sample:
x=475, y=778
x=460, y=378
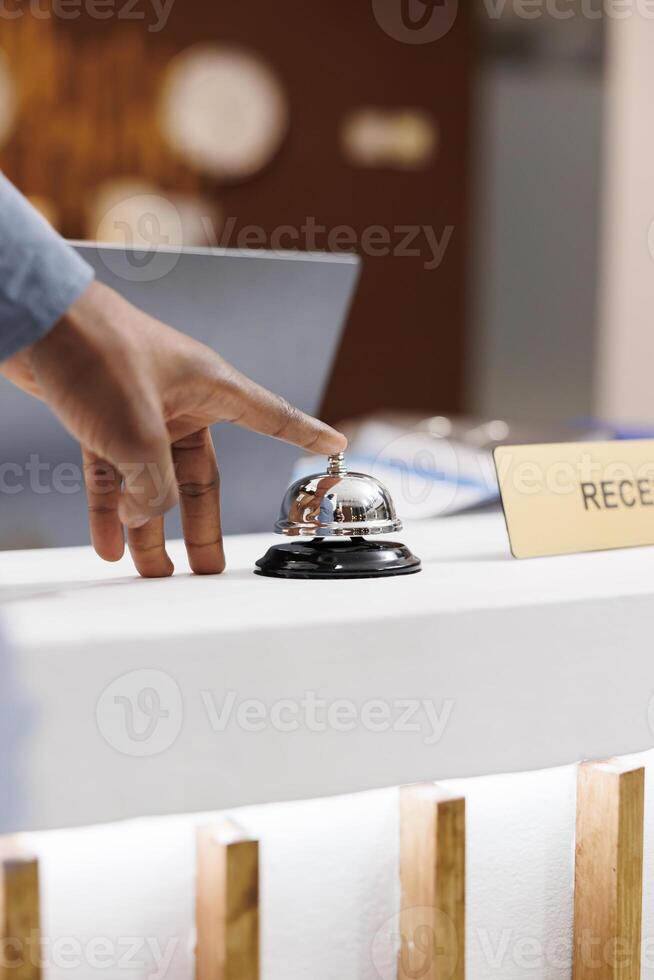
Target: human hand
x=140, y=396
x=306, y=509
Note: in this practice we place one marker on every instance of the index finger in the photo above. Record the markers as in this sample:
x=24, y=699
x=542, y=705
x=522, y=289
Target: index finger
x=271, y=415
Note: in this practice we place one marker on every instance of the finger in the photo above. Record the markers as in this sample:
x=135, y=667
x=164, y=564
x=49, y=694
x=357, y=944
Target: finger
x=199, y=500
x=149, y=487
x=147, y=547
x=262, y=411
x=103, y=493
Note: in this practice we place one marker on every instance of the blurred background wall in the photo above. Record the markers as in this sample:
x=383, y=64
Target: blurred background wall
x=626, y=333
x=539, y=96
x=494, y=172
x=306, y=96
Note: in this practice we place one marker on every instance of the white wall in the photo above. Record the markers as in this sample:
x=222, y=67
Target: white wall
x=330, y=885
x=626, y=349
x=534, y=238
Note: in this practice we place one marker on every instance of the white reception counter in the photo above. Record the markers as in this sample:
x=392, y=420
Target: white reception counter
x=151, y=697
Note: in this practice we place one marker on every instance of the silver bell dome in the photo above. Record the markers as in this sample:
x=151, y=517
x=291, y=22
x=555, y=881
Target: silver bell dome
x=337, y=503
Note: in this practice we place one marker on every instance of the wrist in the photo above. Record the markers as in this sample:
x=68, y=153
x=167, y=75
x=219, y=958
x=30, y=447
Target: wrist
x=73, y=332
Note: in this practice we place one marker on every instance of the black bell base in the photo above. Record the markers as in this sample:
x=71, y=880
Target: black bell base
x=342, y=558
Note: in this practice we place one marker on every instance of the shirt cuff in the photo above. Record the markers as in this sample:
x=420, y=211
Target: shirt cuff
x=41, y=275
x=44, y=284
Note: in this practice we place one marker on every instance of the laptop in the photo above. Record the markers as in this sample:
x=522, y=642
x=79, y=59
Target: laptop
x=278, y=317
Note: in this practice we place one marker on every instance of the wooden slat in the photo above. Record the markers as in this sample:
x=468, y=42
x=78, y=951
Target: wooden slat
x=432, y=871
x=608, y=872
x=20, y=935
x=227, y=904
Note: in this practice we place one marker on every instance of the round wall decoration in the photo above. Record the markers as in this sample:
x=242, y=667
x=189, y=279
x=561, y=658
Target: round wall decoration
x=223, y=111
x=132, y=212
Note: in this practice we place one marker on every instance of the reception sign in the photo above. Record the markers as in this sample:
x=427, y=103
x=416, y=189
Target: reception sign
x=561, y=498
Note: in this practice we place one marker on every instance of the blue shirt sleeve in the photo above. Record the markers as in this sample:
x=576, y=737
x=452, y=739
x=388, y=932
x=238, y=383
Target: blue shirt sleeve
x=40, y=274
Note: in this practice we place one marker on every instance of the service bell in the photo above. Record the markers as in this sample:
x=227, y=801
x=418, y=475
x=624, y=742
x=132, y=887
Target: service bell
x=338, y=512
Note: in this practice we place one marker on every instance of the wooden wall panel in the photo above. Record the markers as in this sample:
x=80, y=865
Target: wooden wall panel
x=20, y=915
x=227, y=904
x=608, y=872
x=432, y=873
